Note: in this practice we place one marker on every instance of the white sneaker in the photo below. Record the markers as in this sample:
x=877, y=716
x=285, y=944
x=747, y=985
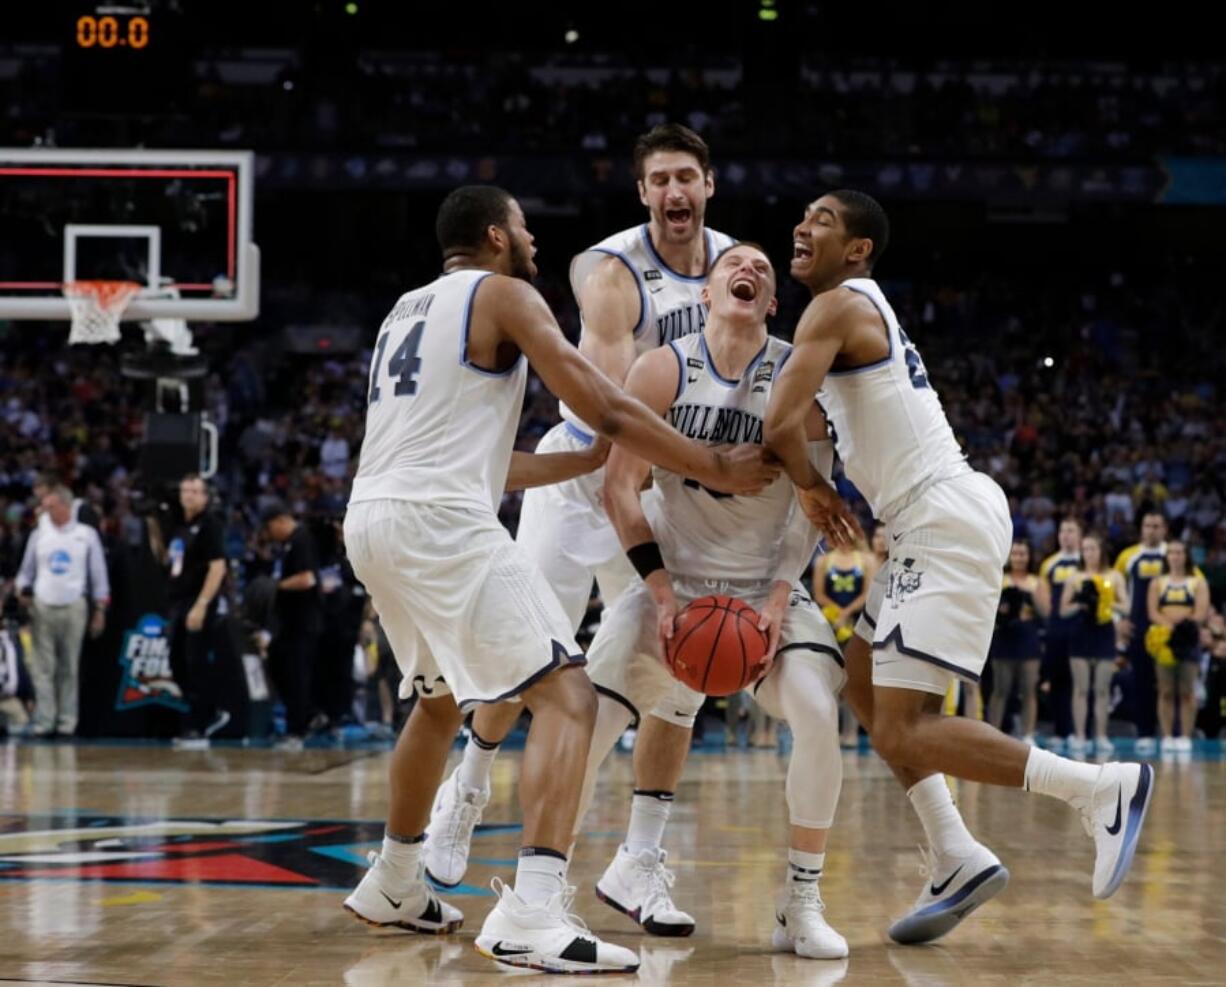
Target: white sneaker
x=449, y=836
x=801, y=927
x=1075, y=746
x=1146, y=747
x=1185, y=745
x=639, y=885
x=1103, y=747
x=384, y=899
x=547, y=937
x=956, y=886
x=1113, y=816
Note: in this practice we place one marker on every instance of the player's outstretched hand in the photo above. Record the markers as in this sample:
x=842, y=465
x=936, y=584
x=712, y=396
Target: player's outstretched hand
x=830, y=515
x=742, y=468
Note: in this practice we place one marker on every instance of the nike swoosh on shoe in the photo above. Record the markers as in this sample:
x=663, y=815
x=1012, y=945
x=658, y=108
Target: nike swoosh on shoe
x=938, y=890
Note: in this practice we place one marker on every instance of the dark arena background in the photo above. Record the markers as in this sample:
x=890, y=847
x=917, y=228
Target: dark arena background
x=259, y=182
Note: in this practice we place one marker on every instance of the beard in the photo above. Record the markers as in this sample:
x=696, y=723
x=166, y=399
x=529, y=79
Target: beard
x=521, y=262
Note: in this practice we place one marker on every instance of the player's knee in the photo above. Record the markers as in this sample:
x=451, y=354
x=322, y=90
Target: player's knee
x=440, y=715
x=891, y=739
x=569, y=693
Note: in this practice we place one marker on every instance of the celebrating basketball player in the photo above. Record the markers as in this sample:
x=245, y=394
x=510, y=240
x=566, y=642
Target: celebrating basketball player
x=931, y=610
x=687, y=542
x=469, y=616
x=637, y=289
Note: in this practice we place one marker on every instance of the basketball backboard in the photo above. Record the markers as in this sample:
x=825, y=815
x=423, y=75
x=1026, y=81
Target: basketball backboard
x=178, y=222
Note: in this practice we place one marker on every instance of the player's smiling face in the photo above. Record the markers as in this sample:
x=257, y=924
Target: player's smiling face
x=819, y=242
x=675, y=191
x=741, y=285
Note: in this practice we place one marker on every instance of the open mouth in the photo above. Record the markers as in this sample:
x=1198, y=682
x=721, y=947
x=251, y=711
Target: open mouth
x=744, y=289
x=801, y=251
x=678, y=216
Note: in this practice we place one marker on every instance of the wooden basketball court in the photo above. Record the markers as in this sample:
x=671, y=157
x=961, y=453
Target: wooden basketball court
x=140, y=865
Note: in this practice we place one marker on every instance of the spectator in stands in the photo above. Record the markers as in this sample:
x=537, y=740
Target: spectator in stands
x=1054, y=571
x=295, y=639
x=196, y=563
x=1140, y=564
x=62, y=557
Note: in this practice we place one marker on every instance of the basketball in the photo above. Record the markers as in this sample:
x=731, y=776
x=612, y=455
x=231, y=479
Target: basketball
x=716, y=646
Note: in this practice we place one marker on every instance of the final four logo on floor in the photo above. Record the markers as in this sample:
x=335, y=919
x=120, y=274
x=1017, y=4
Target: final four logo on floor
x=145, y=657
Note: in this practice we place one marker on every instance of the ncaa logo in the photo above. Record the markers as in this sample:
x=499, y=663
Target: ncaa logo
x=59, y=562
x=145, y=657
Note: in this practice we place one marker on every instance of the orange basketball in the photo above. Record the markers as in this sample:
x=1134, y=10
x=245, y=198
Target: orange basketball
x=716, y=646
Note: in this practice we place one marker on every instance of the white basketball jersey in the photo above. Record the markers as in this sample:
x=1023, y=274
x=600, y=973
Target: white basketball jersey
x=712, y=535
x=439, y=429
x=670, y=305
x=887, y=422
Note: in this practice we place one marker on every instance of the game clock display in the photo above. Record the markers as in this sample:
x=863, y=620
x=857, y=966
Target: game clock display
x=109, y=31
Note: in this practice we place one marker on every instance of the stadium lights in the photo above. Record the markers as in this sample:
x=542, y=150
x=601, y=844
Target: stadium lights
x=767, y=11
x=571, y=36
x=351, y=8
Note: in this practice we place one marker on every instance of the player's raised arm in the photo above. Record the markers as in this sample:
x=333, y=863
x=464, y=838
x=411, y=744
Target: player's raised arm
x=610, y=304
x=526, y=320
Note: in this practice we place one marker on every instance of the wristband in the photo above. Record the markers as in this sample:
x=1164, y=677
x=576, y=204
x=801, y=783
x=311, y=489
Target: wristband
x=645, y=558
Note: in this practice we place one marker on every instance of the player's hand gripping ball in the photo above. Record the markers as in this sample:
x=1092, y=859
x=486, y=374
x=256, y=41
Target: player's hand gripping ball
x=716, y=646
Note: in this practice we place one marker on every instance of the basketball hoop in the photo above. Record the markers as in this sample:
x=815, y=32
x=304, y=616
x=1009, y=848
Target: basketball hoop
x=97, y=307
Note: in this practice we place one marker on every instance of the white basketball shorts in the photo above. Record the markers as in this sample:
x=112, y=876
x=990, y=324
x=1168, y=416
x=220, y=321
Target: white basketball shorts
x=464, y=609
x=564, y=530
x=624, y=659
x=932, y=607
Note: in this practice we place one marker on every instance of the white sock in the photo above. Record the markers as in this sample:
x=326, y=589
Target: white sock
x=648, y=817
x=1050, y=774
x=804, y=868
x=478, y=760
x=942, y=822
x=402, y=856
x=540, y=875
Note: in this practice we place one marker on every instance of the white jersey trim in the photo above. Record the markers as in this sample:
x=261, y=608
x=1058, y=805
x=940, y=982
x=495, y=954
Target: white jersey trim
x=708, y=241
x=468, y=317
x=720, y=378
x=889, y=334
x=638, y=283
x=681, y=383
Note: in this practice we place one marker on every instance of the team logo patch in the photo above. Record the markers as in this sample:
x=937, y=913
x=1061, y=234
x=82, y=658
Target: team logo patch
x=653, y=275
x=145, y=657
x=324, y=855
x=904, y=580
x=765, y=371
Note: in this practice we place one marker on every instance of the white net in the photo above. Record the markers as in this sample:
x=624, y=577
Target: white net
x=97, y=307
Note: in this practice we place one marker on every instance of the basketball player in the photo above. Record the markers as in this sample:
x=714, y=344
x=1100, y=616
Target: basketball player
x=637, y=289
x=469, y=618
x=687, y=542
x=932, y=607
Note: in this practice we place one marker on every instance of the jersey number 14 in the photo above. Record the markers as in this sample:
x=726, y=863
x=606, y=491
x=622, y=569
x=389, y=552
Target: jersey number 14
x=403, y=366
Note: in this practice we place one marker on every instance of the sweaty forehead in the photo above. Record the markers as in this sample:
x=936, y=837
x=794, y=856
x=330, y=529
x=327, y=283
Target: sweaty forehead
x=737, y=254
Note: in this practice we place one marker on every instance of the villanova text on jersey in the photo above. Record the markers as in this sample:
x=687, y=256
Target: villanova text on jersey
x=705, y=423
x=681, y=321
